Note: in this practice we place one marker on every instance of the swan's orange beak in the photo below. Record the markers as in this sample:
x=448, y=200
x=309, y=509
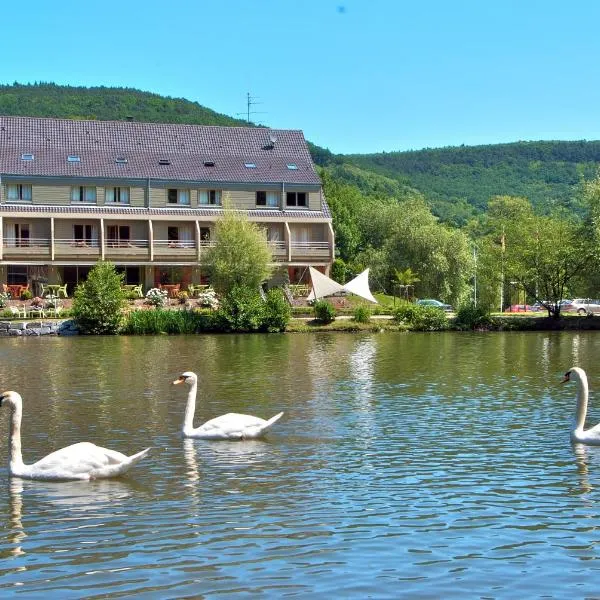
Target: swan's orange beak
x=180, y=379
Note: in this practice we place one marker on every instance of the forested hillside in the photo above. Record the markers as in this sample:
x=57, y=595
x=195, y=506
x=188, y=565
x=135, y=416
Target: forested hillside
x=104, y=104
x=454, y=179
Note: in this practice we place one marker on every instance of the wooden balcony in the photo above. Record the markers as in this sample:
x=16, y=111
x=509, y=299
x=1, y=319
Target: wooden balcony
x=31, y=248
x=310, y=250
x=76, y=248
x=178, y=249
x=123, y=249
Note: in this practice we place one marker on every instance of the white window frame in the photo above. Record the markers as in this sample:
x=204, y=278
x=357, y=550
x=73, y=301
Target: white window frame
x=19, y=192
x=117, y=195
x=209, y=197
x=182, y=197
x=83, y=194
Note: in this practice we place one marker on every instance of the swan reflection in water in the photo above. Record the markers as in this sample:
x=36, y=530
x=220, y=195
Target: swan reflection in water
x=587, y=460
x=84, y=499
x=16, y=535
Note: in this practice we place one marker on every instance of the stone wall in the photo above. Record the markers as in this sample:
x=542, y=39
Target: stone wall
x=38, y=327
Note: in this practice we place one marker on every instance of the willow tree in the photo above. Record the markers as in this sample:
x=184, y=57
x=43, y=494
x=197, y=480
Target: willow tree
x=241, y=256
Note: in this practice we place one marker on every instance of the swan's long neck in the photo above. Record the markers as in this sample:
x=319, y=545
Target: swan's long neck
x=15, y=456
x=582, y=403
x=190, y=409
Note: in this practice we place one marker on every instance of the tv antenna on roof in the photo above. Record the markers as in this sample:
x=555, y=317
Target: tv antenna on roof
x=250, y=101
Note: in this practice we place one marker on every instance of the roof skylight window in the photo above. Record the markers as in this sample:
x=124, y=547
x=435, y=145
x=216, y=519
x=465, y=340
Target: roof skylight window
x=209, y=163
x=164, y=161
x=121, y=160
x=27, y=156
x=250, y=165
x=292, y=166
x=73, y=158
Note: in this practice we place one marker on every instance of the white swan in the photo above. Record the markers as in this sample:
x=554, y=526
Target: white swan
x=79, y=461
x=591, y=436
x=231, y=426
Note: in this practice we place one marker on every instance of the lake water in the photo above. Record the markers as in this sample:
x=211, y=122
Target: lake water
x=406, y=465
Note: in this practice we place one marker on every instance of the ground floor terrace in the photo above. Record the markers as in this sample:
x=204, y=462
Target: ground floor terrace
x=17, y=277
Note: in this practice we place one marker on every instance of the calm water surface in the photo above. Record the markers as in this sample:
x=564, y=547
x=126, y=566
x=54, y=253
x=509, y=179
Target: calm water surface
x=420, y=466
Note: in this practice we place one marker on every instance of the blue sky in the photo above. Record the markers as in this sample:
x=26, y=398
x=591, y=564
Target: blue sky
x=354, y=75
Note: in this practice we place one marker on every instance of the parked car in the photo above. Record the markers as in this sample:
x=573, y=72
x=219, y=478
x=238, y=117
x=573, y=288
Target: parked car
x=518, y=308
x=581, y=306
x=435, y=304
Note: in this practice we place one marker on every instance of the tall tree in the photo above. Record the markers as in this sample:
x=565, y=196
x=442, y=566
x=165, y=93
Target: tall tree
x=241, y=256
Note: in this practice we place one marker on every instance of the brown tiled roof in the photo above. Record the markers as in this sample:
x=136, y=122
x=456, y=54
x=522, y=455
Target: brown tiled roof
x=186, y=147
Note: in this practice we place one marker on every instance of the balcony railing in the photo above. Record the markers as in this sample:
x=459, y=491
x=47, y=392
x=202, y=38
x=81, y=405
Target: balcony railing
x=310, y=249
x=112, y=243
x=76, y=243
x=27, y=242
x=174, y=244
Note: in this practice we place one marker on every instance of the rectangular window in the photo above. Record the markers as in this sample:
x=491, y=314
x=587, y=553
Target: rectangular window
x=208, y=197
x=296, y=198
x=205, y=234
x=270, y=199
x=83, y=193
x=117, y=236
x=118, y=195
x=82, y=234
x=18, y=191
x=175, y=196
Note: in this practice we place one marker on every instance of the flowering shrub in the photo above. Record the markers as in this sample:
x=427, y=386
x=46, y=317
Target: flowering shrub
x=3, y=299
x=156, y=297
x=208, y=299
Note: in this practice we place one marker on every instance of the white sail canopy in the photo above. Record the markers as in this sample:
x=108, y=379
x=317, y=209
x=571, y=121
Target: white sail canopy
x=324, y=286
x=360, y=286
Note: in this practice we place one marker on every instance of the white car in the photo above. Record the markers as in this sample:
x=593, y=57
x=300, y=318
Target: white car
x=582, y=306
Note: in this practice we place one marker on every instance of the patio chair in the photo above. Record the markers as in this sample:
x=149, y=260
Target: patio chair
x=20, y=313
x=61, y=292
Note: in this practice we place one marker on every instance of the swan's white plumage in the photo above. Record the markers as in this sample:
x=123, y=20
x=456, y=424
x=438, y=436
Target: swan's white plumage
x=232, y=426
x=579, y=434
x=78, y=461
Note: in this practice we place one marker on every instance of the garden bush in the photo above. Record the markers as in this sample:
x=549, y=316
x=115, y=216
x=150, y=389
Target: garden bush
x=99, y=301
x=421, y=318
x=241, y=309
x=277, y=311
x=324, y=312
x=26, y=295
x=362, y=314
x=156, y=297
x=470, y=316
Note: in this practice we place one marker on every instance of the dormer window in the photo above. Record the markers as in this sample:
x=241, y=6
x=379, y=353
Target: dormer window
x=73, y=158
x=27, y=156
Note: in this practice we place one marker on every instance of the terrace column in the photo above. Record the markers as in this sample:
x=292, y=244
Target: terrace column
x=1, y=238
x=288, y=239
x=51, y=238
x=101, y=239
x=198, y=242
x=151, y=239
